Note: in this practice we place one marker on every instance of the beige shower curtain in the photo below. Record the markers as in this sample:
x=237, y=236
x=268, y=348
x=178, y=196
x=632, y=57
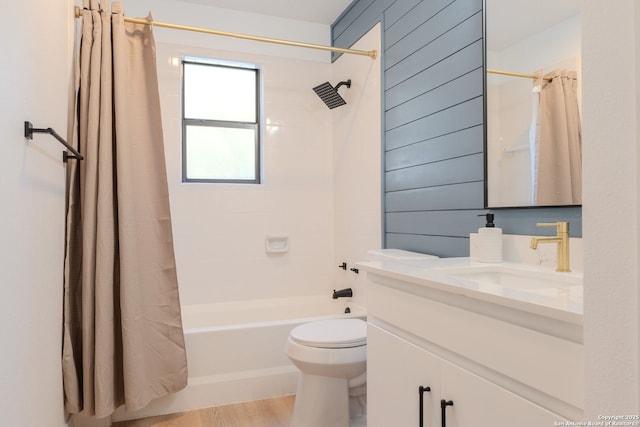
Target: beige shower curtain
x=123, y=341
x=559, y=145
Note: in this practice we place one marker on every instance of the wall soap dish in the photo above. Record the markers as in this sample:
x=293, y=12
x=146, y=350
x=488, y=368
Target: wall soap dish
x=276, y=244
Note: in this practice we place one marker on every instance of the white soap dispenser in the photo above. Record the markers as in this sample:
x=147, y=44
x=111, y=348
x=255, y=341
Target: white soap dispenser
x=489, y=241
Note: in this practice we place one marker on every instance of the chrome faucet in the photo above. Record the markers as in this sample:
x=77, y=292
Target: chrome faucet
x=561, y=238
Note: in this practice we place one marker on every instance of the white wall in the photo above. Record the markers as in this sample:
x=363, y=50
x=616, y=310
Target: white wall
x=34, y=41
x=197, y=15
x=219, y=230
x=357, y=148
x=611, y=80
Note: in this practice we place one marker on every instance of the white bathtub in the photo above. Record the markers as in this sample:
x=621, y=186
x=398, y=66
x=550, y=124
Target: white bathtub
x=235, y=351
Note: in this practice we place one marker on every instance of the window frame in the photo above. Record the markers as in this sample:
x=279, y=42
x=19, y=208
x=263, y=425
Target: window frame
x=255, y=126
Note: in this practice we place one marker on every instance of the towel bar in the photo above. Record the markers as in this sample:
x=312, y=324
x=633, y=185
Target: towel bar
x=29, y=130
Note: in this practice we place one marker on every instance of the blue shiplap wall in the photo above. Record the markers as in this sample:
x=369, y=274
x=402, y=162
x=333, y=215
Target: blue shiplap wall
x=434, y=124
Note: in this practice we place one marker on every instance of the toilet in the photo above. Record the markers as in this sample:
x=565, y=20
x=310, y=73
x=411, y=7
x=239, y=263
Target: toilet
x=331, y=356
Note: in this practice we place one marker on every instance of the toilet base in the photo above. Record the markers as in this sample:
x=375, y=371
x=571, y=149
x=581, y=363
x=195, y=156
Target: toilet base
x=321, y=402
x=360, y=421
x=357, y=407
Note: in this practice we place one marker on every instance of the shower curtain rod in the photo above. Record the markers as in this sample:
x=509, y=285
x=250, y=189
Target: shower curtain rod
x=370, y=53
x=509, y=73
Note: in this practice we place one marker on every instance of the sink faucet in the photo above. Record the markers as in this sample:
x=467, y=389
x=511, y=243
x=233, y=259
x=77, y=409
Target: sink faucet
x=561, y=238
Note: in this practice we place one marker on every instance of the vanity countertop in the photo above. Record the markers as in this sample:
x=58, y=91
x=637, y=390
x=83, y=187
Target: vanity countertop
x=563, y=302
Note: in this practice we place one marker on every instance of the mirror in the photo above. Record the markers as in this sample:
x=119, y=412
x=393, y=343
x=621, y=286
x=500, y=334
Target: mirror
x=533, y=143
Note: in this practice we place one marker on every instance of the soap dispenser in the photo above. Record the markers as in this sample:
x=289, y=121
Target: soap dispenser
x=489, y=241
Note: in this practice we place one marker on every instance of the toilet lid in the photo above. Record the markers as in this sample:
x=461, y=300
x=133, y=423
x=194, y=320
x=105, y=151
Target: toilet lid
x=336, y=333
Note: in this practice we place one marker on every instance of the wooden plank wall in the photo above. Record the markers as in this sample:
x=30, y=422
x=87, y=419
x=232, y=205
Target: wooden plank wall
x=433, y=124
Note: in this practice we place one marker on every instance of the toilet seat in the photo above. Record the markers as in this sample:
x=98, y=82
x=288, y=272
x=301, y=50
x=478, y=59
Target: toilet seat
x=335, y=333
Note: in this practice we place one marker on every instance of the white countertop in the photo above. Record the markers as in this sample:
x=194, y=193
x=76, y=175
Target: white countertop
x=564, y=303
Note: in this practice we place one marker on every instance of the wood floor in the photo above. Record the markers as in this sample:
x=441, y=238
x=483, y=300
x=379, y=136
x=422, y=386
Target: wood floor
x=261, y=413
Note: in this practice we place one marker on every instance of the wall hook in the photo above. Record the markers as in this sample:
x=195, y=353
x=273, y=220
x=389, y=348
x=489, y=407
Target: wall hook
x=29, y=130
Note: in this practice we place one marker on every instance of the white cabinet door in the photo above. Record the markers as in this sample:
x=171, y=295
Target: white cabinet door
x=395, y=370
x=479, y=403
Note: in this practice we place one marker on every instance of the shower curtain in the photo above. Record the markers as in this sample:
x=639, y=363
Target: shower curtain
x=122, y=340
x=559, y=142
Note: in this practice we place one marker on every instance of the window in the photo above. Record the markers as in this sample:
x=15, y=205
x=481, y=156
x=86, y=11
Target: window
x=220, y=122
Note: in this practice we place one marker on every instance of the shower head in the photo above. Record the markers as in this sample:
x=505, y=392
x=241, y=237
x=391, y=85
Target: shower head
x=330, y=95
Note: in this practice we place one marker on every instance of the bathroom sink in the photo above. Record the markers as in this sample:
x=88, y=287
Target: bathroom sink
x=521, y=282
x=531, y=288
x=509, y=277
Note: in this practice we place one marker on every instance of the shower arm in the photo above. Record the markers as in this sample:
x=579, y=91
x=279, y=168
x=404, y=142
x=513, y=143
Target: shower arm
x=346, y=83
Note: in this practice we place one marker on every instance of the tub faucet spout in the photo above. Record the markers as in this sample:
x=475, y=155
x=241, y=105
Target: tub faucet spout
x=348, y=292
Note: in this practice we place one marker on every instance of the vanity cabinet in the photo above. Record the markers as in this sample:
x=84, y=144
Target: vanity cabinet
x=478, y=402
x=397, y=368
x=486, y=359
x=395, y=371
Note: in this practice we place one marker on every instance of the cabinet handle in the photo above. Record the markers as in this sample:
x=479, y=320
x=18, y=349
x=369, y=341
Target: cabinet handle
x=443, y=406
x=421, y=391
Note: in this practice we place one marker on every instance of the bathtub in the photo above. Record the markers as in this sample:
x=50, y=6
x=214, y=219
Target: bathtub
x=235, y=350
